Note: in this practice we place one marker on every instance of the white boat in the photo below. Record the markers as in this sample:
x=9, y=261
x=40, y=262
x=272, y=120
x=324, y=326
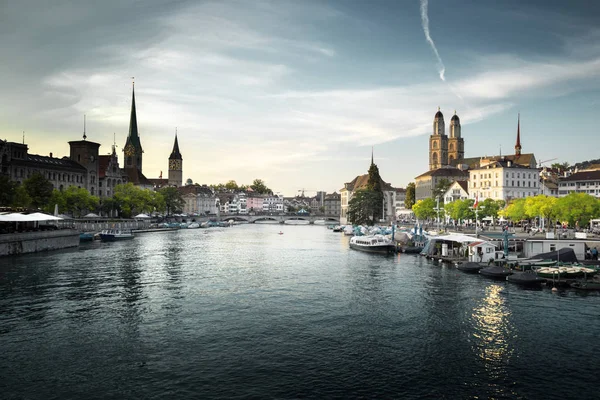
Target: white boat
x=373, y=244
x=319, y=222
x=349, y=231
x=111, y=235
x=194, y=225
x=296, y=222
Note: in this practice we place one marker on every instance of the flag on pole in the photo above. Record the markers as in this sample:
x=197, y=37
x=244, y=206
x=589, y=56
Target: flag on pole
x=476, y=200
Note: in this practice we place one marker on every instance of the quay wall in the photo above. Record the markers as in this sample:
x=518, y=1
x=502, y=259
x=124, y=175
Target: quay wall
x=31, y=242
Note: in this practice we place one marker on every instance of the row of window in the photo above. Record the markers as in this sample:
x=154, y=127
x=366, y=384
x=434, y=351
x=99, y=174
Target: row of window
x=528, y=175
x=512, y=183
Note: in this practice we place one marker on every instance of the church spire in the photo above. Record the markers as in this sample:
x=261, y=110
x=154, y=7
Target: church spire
x=175, y=154
x=518, y=144
x=372, y=159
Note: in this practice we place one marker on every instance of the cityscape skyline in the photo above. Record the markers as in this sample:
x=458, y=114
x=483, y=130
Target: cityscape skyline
x=296, y=94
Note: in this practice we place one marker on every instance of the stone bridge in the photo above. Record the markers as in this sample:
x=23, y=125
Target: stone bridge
x=328, y=219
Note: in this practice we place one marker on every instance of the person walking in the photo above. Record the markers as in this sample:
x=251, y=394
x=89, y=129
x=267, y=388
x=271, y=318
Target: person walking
x=594, y=253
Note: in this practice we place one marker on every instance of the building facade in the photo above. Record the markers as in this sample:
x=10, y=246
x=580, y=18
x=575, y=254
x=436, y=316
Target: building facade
x=459, y=190
x=503, y=180
x=580, y=182
x=426, y=183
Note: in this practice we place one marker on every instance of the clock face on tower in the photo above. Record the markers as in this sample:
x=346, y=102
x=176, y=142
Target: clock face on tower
x=174, y=164
x=129, y=150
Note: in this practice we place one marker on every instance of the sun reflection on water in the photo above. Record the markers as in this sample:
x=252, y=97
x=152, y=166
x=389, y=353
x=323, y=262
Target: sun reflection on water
x=493, y=332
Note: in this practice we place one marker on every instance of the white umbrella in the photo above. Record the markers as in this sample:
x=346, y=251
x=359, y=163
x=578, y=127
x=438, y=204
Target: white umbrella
x=142, y=216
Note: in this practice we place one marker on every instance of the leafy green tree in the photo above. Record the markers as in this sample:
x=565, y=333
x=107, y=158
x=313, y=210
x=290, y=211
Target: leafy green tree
x=489, y=208
x=21, y=198
x=409, y=201
x=441, y=188
x=39, y=189
x=515, y=211
x=460, y=210
x=577, y=208
x=57, y=199
x=174, y=203
x=8, y=190
x=561, y=166
x=231, y=185
x=131, y=200
x=259, y=187
x=425, y=209
x=79, y=201
x=365, y=207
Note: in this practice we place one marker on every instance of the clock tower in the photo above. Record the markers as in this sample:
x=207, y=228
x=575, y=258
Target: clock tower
x=175, y=165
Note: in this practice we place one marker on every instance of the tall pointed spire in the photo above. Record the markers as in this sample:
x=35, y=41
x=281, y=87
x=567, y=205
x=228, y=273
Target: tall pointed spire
x=372, y=159
x=518, y=144
x=84, y=135
x=133, y=144
x=175, y=154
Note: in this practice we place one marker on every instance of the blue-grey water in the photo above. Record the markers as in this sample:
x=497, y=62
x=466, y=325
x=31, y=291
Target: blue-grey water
x=244, y=312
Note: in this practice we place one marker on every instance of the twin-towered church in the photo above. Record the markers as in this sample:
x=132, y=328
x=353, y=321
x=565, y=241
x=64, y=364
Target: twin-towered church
x=444, y=150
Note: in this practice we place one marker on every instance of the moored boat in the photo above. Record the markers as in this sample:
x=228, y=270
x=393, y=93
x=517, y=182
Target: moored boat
x=86, y=237
x=193, y=225
x=373, y=244
x=112, y=235
x=586, y=285
x=469, y=267
x=495, y=272
x=525, y=279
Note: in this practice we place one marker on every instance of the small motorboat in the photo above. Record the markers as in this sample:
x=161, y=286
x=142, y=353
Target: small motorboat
x=469, y=267
x=112, y=235
x=86, y=237
x=495, y=272
x=525, y=279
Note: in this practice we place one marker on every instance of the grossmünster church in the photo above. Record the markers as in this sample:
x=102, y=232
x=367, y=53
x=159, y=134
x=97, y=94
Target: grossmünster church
x=445, y=150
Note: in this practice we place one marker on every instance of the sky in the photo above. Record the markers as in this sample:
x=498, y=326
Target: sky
x=298, y=93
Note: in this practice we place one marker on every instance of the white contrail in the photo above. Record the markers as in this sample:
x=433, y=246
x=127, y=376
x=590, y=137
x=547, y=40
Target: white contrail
x=425, y=23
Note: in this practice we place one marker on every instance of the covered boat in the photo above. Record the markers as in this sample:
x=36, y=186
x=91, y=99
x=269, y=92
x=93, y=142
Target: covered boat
x=373, y=244
x=469, y=267
x=525, y=279
x=563, y=255
x=495, y=272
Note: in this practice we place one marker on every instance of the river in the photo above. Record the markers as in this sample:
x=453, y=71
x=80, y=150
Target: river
x=245, y=312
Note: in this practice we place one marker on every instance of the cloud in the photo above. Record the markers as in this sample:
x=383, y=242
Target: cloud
x=425, y=24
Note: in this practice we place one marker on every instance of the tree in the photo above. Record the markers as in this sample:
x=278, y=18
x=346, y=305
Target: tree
x=489, y=208
x=409, y=201
x=365, y=207
x=8, y=190
x=441, y=188
x=231, y=185
x=577, y=208
x=39, y=189
x=425, y=209
x=74, y=200
x=561, y=166
x=172, y=199
x=460, y=210
x=515, y=211
x=131, y=200
x=21, y=198
x=259, y=187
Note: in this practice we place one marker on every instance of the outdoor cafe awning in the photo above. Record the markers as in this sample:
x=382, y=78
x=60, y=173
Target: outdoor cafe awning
x=33, y=217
